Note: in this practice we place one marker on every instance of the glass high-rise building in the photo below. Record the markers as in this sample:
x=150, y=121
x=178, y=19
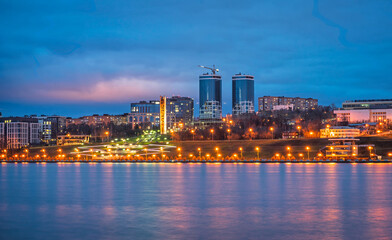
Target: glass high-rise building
x=210, y=96
x=243, y=96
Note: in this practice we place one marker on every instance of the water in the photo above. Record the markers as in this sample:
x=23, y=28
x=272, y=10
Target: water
x=196, y=201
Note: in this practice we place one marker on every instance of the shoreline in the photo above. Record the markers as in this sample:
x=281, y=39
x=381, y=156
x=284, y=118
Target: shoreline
x=199, y=162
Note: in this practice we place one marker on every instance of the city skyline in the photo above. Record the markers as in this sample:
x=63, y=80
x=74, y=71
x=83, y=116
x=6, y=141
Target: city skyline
x=76, y=59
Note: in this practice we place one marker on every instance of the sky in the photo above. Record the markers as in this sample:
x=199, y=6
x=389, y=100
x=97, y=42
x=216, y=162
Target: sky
x=80, y=57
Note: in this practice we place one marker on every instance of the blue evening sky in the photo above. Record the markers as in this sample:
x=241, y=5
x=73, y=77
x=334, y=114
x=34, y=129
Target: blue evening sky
x=79, y=57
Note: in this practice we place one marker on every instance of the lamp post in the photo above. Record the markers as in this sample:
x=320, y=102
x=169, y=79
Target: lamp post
x=370, y=151
x=193, y=134
x=217, y=152
x=241, y=149
x=250, y=133
x=258, y=152
x=199, y=150
x=107, y=135
x=308, y=149
x=212, y=134
x=145, y=150
x=229, y=133
x=179, y=152
x=161, y=148
x=272, y=131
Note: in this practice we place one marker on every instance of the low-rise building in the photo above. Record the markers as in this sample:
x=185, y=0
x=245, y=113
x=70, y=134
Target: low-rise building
x=363, y=115
x=271, y=103
x=339, y=132
x=65, y=140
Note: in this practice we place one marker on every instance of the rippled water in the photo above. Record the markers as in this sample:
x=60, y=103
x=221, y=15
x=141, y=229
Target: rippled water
x=195, y=201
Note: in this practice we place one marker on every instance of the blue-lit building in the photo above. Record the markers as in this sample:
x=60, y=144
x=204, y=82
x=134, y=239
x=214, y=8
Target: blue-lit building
x=145, y=114
x=243, y=95
x=210, y=96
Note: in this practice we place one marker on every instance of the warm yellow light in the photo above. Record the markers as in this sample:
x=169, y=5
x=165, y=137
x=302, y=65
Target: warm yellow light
x=298, y=127
x=199, y=149
x=228, y=130
x=288, y=148
x=250, y=130
x=107, y=133
x=328, y=126
x=307, y=148
x=212, y=130
x=271, y=129
x=216, y=149
x=311, y=133
x=277, y=154
x=178, y=149
x=257, y=148
x=240, y=148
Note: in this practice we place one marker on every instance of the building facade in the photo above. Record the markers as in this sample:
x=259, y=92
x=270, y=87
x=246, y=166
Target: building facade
x=243, y=94
x=271, y=103
x=19, y=132
x=97, y=119
x=66, y=140
x=339, y=132
x=210, y=97
x=145, y=114
x=179, y=110
x=363, y=115
x=368, y=104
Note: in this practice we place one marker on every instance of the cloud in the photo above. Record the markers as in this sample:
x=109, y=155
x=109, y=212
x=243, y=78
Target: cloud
x=117, y=90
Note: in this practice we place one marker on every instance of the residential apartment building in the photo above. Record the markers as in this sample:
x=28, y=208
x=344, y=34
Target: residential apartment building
x=18, y=132
x=271, y=103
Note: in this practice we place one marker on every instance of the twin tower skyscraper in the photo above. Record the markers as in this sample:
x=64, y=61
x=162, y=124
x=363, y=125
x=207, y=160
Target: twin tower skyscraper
x=210, y=95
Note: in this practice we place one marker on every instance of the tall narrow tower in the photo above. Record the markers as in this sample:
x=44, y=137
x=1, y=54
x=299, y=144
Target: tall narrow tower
x=210, y=95
x=243, y=94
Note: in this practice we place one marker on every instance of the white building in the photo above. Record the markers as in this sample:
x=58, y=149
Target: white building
x=363, y=115
x=20, y=132
x=339, y=132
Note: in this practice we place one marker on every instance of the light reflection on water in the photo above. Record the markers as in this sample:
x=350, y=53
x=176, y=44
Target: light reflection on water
x=195, y=201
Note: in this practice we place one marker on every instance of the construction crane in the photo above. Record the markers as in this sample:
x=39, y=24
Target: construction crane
x=213, y=69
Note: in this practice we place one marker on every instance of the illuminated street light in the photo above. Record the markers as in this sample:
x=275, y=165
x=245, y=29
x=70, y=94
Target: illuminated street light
x=212, y=134
x=308, y=149
x=193, y=134
x=272, y=131
x=241, y=149
x=199, y=150
x=258, y=152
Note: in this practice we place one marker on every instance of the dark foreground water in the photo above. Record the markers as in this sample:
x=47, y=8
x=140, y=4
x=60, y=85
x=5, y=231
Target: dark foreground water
x=196, y=201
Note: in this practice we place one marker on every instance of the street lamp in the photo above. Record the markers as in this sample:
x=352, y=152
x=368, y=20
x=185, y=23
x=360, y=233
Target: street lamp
x=193, y=134
x=272, y=130
x=370, y=151
x=217, y=152
x=212, y=134
x=199, y=150
x=179, y=151
x=258, y=152
x=146, y=153
x=308, y=149
x=241, y=149
x=107, y=135
x=161, y=148
x=229, y=132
